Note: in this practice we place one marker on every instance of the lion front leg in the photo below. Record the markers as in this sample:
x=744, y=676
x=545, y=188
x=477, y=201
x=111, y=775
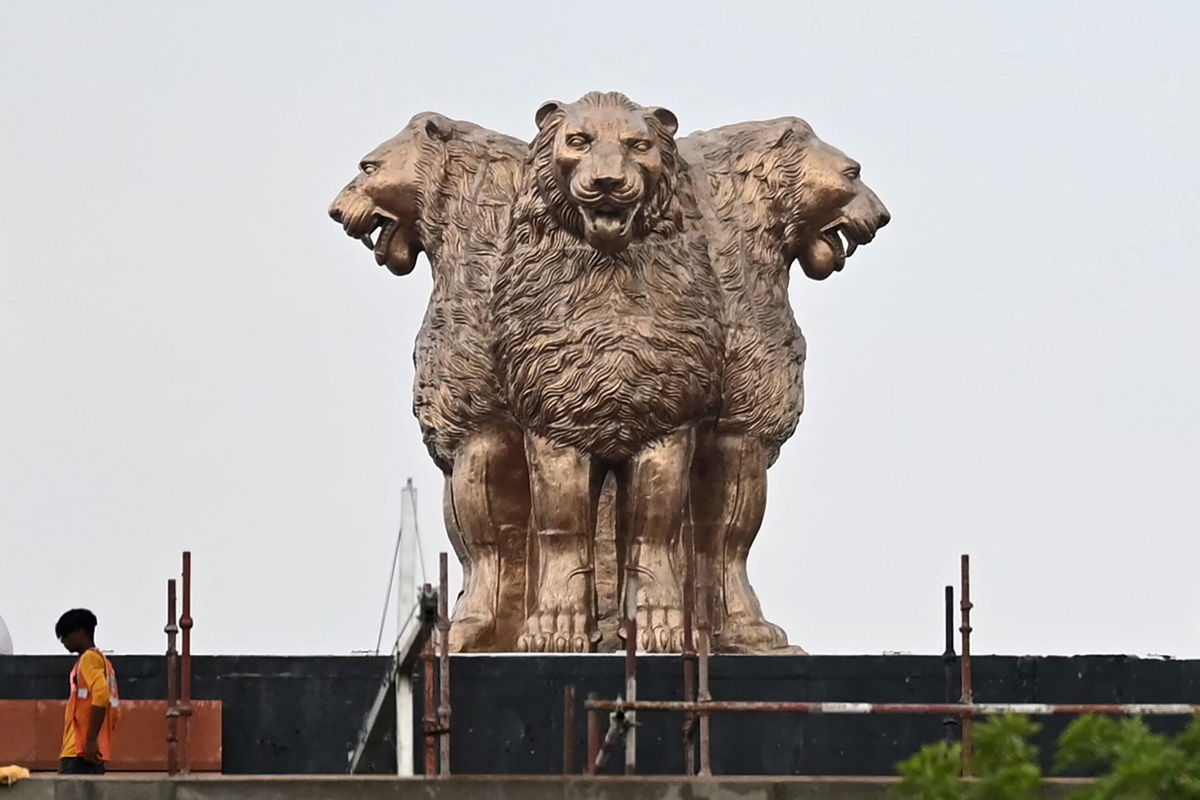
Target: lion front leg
x=564, y=491
x=651, y=500
x=488, y=506
x=730, y=499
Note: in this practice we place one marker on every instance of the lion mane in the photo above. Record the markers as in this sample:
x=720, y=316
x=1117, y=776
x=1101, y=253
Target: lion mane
x=606, y=353
x=468, y=177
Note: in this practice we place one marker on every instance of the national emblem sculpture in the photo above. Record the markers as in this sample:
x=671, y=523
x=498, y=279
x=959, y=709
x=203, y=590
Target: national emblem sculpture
x=609, y=362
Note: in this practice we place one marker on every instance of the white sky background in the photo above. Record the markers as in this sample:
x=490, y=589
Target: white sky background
x=192, y=355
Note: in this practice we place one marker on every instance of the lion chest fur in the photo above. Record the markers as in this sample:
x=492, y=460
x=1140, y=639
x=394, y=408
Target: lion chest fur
x=605, y=354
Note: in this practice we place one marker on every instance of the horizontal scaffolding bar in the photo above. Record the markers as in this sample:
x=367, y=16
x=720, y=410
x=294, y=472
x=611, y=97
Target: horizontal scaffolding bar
x=960, y=709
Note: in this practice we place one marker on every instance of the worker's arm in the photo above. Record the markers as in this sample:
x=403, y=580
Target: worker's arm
x=94, y=675
x=91, y=750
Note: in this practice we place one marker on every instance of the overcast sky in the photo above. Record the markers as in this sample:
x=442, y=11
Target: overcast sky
x=192, y=355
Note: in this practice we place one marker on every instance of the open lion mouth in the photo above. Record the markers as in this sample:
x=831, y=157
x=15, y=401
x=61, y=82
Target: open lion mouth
x=384, y=236
x=395, y=245
x=608, y=226
x=362, y=220
x=384, y=230
x=846, y=234
x=826, y=253
x=839, y=239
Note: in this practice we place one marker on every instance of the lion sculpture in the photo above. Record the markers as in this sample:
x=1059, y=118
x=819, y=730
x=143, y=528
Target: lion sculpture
x=633, y=296
x=446, y=187
x=607, y=323
x=772, y=193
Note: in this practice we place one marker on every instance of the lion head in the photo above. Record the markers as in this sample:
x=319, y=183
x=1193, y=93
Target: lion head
x=605, y=169
x=809, y=195
x=388, y=194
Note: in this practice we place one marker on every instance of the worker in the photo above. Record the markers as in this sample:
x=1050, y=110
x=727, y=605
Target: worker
x=91, y=709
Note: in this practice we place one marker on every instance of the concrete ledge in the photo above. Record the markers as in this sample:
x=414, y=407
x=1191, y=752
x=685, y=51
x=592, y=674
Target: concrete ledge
x=458, y=788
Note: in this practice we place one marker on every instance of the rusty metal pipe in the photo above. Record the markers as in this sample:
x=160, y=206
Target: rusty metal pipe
x=631, y=643
x=968, y=693
x=172, y=630
x=960, y=709
x=593, y=734
x=950, y=723
x=703, y=706
x=569, y=729
x=689, y=648
x=429, y=713
x=703, y=695
x=444, y=661
x=185, y=692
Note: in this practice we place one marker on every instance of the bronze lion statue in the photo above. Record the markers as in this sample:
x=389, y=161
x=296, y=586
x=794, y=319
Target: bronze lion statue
x=775, y=193
x=609, y=358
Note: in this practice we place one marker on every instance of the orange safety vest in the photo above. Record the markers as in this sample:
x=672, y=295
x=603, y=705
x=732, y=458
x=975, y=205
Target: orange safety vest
x=79, y=710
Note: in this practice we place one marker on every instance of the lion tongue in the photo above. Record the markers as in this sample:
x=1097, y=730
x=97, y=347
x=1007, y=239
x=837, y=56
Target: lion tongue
x=608, y=224
x=820, y=258
x=395, y=251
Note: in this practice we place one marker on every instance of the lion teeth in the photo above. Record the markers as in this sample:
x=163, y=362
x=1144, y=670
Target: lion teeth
x=850, y=244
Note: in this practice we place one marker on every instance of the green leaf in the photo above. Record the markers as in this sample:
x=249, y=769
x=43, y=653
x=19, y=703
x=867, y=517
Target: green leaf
x=934, y=773
x=1141, y=764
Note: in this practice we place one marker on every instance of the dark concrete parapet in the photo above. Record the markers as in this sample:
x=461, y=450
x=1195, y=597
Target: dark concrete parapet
x=459, y=788
x=302, y=715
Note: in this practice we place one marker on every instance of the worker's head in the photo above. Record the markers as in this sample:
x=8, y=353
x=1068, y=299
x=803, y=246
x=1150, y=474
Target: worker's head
x=76, y=629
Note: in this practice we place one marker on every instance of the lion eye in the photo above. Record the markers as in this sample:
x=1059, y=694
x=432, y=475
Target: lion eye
x=577, y=141
x=368, y=167
x=852, y=173
x=641, y=145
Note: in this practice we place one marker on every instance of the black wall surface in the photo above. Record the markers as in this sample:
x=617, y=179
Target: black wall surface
x=303, y=714
x=508, y=716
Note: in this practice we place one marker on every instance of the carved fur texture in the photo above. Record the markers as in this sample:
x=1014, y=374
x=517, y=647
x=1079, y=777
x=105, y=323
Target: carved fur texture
x=469, y=179
x=768, y=189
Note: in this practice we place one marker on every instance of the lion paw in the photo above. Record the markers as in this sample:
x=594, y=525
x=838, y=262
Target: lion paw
x=660, y=628
x=745, y=634
x=472, y=634
x=557, y=630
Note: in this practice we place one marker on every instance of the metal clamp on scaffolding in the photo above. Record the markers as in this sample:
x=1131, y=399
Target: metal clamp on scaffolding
x=620, y=725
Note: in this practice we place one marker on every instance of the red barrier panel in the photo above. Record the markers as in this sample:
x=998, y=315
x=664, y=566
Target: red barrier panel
x=31, y=735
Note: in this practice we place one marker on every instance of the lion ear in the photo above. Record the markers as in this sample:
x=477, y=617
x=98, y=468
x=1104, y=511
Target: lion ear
x=666, y=118
x=794, y=130
x=543, y=113
x=438, y=127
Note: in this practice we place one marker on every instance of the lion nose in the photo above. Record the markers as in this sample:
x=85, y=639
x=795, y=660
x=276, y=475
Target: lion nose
x=610, y=184
x=884, y=219
x=336, y=213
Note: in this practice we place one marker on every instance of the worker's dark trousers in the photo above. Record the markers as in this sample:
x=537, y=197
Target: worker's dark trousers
x=80, y=766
